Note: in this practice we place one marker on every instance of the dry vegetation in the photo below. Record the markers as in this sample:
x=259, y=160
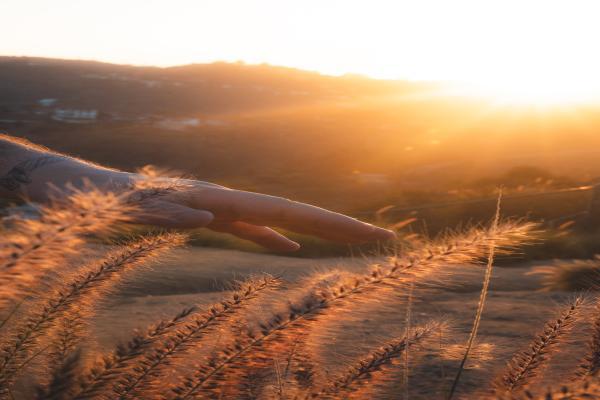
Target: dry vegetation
x=262, y=340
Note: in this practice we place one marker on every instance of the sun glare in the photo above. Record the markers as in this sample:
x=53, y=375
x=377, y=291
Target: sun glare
x=530, y=90
x=548, y=76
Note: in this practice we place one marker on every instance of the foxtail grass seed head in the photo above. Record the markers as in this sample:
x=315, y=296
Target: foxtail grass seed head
x=527, y=365
x=80, y=293
x=30, y=247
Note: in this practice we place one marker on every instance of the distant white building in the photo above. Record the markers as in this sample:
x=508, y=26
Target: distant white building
x=47, y=102
x=152, y=84
x=179, y=124
x=75, y=115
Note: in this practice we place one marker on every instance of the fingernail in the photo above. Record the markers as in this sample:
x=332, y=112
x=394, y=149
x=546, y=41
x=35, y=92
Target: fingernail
x=385, y=233
x=287, y=247
x=206, y=216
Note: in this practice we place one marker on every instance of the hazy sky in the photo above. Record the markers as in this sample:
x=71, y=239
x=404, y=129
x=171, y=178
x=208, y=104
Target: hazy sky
x=418, y=39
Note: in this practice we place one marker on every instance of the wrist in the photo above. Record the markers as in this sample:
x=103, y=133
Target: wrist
x=57, y=179
x=37, y=174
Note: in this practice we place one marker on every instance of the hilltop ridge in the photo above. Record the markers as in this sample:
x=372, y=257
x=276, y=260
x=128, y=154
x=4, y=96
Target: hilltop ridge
x=131, y=91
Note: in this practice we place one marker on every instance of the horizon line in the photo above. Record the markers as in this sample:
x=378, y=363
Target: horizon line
x=231, y=62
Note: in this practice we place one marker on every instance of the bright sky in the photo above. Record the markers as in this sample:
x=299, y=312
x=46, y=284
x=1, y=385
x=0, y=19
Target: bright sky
x=548, y=46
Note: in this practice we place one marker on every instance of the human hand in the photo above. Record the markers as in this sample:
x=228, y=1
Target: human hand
x=32, y=172
x=196, y=204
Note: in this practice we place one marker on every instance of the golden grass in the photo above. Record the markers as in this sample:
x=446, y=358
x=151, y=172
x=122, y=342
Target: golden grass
x=46, y=340
x=34, y=246
x=148, y=369
x=526, y=365
x=482, y=297
x=574, y=275
x=368, y=370
x=77, y=294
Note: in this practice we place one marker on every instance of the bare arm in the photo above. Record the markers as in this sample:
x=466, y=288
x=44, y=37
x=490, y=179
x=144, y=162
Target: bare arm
x=30, y=171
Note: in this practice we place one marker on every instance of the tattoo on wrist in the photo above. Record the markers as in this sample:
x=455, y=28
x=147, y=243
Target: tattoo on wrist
x=20, y=174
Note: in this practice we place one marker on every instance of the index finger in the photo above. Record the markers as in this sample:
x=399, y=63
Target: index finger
x=299, y=217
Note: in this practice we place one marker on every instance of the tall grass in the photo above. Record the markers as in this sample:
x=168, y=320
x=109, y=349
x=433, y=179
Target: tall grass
x=190, y=335
x=590, y=365
x=363, y=372
x=396, y=274
x=31, y=247
x=482, y=297
x=526, y=365
x=264, y=326
x=75, y=295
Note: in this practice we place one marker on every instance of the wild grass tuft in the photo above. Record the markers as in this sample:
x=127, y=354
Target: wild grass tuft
x=527, y=364
x=63, y=383
x=585, y=390
x=396, y=274
x=482, y=298
x=30, y=247
x=124, y=356
x=79, y=293
x=142, y=379
x=367, y=371
x=574, y=275
x=590, y=365
x=257, y=343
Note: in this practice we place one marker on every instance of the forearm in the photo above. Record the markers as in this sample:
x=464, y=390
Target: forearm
x=28, y=171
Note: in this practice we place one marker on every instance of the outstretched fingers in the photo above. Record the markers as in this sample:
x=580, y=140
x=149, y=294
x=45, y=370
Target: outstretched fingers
x=261, y=235
x=260, y=209
x=171, y=215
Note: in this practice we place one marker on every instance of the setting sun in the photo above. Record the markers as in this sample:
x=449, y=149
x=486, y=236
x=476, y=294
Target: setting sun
x=519, y=51
x=531, y=90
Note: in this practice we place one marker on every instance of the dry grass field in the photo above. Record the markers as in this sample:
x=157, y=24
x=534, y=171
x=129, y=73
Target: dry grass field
x=80, y=322
x=516, y=309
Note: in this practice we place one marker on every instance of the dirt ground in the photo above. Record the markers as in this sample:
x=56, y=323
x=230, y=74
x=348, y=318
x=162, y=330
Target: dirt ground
x=515, y=311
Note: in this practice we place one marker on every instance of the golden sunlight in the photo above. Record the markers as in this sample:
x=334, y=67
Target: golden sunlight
x=531, y=90
x=516, y=51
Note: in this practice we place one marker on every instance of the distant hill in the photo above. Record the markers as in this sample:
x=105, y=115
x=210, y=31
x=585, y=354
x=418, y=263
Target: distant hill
x=130, y=92
x=350, y=143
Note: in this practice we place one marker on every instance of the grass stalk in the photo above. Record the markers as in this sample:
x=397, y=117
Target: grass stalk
x=123, y=357
x=34, y=246
x=482, y=298
x=418, y=264
x=590, y=366
x=87, y=286
x=364, y=369
x=135, y=383
x=526, y=365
